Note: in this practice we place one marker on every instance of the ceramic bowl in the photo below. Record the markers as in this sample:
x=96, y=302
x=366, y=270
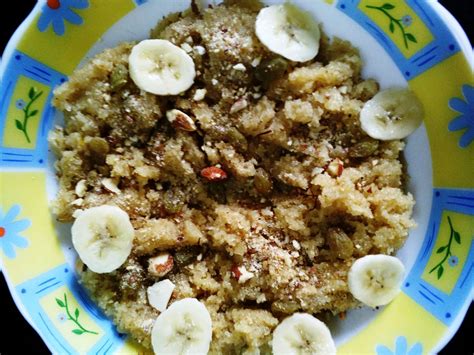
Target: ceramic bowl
x=403, y=43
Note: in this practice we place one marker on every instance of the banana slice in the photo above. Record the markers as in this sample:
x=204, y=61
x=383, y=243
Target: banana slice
x=287, y=30
x=184, y=328
x=375, y=280
x=392, y=114
x=102, y=236
x=302, y=333
x=161, y=68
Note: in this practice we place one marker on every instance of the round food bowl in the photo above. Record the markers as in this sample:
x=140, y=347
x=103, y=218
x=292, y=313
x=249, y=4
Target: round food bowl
x=414, y=43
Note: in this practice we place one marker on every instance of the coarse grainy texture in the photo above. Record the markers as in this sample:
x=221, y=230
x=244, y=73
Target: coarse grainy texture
x=305, y=192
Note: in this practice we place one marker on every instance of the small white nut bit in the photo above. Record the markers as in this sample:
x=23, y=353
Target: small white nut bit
x=200, y=94
x=181, y=120
x=335, y=168
x=110, y=185
x=239, y=105
x=81, y=188
x=160, y=294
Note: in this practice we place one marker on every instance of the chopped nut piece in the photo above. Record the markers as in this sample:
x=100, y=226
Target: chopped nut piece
x=180, y=120
x=235, y=272
x=335, y=168
x=110, y=185
x=239, y=67
x=200, y=94
x=296, y=245
x=161, y=264
x=213, y=174
x=81, y=188
x=186, y=47
x=256, y=62
x=160, y=293
x=239, y=105
x=200, y=50
x=316, y=171
x=242, y=275
x=78, y=202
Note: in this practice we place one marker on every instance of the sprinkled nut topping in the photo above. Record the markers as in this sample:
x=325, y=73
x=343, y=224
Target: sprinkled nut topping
x=180, y=120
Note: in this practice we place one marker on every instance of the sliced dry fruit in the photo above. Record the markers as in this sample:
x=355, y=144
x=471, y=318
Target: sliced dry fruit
x=181, y=120
x=213, y=174
x=161, y=264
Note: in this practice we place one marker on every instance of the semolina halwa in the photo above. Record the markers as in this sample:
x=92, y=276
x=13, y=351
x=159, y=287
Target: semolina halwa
x=262, y=187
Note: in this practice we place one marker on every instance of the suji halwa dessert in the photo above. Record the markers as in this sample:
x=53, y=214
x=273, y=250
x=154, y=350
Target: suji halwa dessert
x=233, y=178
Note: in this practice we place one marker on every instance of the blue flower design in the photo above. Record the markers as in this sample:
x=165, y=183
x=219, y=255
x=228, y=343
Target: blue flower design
x=466, y=119
x=453, y=261
x=10, y=229
x=407, y=20
x=55, y=12
x=401, y=348
x=20, y=104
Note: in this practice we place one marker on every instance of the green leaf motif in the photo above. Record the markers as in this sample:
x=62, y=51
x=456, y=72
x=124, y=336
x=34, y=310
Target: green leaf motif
x=32, y=93
x=33, y=113
x=76, y=313
x=440, y=271
x=392, y=27
x=457, y=237
x=19, y=125
x=60, y=303
x=388, y=6
x=78, y=331
x=411, y=38
x=440, y=250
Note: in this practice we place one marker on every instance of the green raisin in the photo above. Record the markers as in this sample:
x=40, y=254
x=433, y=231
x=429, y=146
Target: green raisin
x=186, y=256
x=363, y=149
x=119, y=77
x=340, y=245
x=271, y=69
x=263, y=182
x=173, y=201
